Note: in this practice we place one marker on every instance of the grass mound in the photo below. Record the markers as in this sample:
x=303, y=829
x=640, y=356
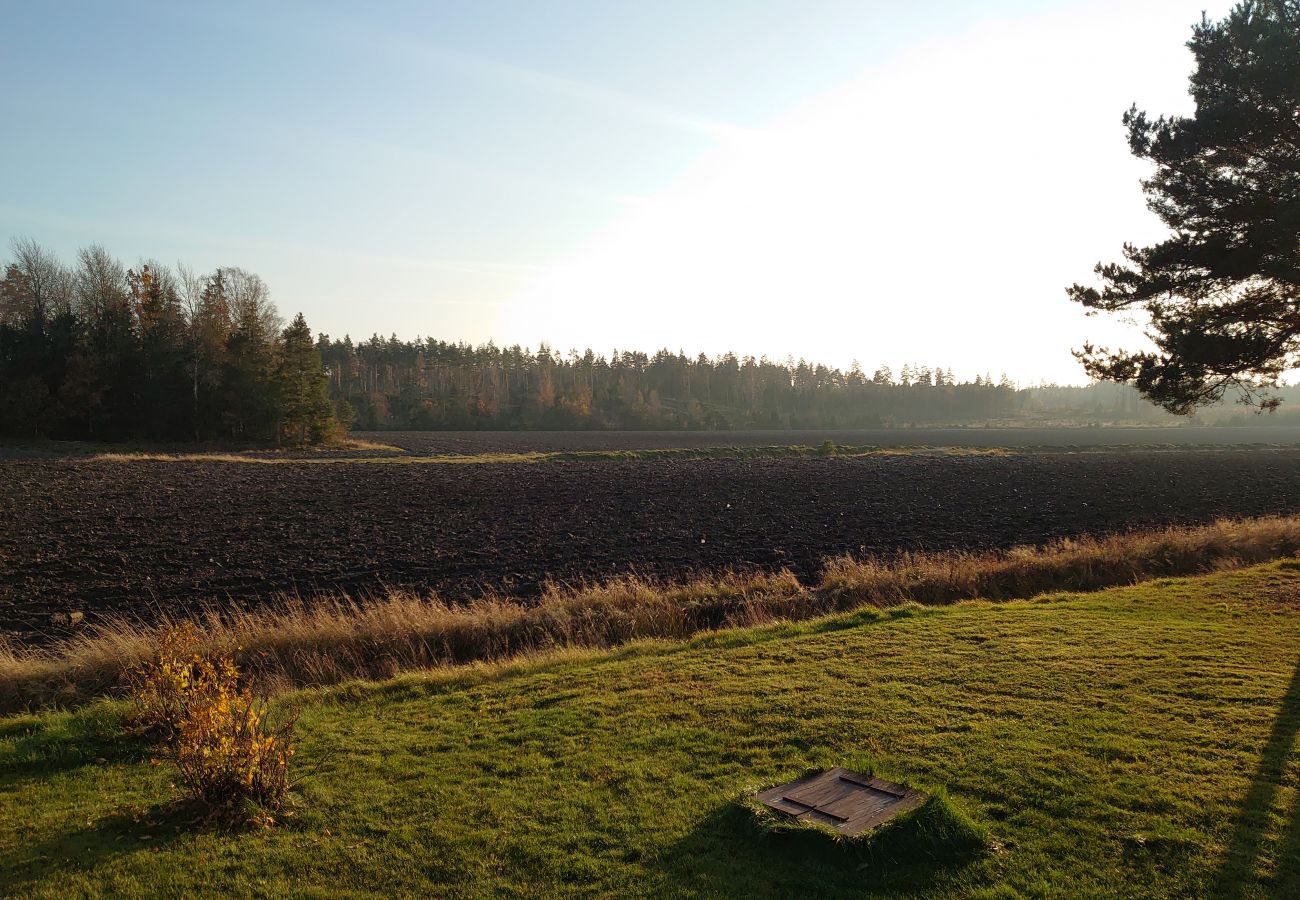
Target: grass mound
x=935, y=830
x=934, y=833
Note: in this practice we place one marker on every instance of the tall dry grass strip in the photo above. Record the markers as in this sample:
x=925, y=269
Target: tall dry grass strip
x=295, y=642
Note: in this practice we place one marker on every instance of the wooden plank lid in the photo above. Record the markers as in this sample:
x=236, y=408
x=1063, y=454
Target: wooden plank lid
x=847, y=801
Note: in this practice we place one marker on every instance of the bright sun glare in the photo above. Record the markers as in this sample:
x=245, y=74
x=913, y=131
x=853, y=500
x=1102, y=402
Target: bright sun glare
x=884, y=222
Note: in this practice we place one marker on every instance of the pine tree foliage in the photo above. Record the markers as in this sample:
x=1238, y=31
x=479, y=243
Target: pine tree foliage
x=1222, y=292
x=307, y=414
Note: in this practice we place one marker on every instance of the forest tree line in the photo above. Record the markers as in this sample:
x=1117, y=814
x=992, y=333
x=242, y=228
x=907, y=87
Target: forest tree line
x=385, y=383
x=95, y=350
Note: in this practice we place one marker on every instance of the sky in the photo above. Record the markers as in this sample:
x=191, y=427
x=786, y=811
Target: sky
x=835, y=180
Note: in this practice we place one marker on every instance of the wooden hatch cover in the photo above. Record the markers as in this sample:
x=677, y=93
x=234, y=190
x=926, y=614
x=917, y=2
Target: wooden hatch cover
x=846, y=801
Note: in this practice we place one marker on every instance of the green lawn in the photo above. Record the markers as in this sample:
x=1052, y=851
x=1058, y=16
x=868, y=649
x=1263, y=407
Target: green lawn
x=1132, y=742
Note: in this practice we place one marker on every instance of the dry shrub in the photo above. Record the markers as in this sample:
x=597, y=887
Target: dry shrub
x=296, y=642
x=162, y=688
x=215, y=730
x=228, y=755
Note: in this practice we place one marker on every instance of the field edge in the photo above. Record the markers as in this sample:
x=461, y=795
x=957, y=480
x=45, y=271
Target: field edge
x=298, y=642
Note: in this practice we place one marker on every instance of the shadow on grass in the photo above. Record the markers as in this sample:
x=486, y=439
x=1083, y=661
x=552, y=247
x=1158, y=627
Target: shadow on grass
x=125, y=831
x=1250, y=837
x=729, y=854
x=41, y=748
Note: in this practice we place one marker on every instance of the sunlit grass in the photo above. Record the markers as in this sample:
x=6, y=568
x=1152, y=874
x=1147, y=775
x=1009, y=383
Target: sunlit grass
x=1136, y=742
x=400, y=457
x=368, y=453
x=217, y=452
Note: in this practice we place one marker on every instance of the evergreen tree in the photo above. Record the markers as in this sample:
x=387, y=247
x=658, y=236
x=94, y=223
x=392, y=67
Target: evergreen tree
x=209, y=329
x=247, y=381
x=113, y=345
x=13, y=296
x=1223, y=291
x=161, y=323
x=306, y=412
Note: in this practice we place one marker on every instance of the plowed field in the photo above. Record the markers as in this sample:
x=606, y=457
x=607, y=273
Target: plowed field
x=138, y=536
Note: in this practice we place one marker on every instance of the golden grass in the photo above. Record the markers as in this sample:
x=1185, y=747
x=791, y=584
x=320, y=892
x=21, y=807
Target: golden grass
x=175, y=457
x=349, y=445
x=264, y=460
x=297, y=642
x=363, y=445
x=403, y=457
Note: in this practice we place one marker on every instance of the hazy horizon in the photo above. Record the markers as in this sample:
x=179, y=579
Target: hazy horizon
x=829, y=181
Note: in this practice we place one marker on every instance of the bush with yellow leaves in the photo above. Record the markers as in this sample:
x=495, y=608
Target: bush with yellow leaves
x=163, y=687
x=216, y=731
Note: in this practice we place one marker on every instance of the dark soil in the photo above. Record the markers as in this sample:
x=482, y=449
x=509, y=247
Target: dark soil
x=90, y=536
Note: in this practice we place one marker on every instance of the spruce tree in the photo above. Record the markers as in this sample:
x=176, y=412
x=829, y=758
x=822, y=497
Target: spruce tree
x=1223, y=290
x=161, y=322
x=306, y=412
x=247, y=380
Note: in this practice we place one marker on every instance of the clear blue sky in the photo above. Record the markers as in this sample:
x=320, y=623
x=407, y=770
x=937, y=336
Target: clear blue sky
x=620, y=174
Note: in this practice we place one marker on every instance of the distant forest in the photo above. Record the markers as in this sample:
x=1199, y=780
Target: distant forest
x=388, y=383
x=98, y=351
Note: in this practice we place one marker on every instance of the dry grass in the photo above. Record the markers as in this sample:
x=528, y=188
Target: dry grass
x=298, y=642
x=176, y=457
x=223, y=451
x=322, y=453
x=395, y=456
